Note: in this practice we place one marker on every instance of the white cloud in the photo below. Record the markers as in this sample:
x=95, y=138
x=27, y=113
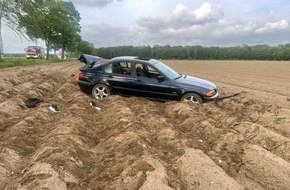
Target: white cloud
x=107, y=35
x=272, y=26
x=180, y=11
x=205, y=12
x=182, y=17
x=280, y=25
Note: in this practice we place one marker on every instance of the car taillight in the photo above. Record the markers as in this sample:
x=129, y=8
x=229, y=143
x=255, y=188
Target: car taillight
x=80, y=75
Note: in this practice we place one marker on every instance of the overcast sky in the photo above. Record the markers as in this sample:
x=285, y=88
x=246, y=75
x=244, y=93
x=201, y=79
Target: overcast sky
x=176, y=22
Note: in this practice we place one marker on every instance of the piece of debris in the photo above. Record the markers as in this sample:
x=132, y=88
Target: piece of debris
x=94, y=105
x=32, y=102
x=230, y=96
x=9, y=174
x=53, y=108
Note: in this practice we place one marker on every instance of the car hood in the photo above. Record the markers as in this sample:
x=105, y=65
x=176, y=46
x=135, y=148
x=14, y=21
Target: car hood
x=196, y=82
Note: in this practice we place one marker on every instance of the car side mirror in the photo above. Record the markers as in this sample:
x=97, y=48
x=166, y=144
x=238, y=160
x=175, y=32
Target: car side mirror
x=160, y=78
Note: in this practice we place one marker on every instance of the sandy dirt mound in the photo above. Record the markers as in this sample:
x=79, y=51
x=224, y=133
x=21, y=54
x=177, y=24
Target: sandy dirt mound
x=134, y=143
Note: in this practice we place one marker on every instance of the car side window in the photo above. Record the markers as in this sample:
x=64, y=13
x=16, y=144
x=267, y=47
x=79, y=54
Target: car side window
x=153, y=73
x=108, y=68
x=119, y=68
x=140, y=71
x=143, y=70
x=127, y=67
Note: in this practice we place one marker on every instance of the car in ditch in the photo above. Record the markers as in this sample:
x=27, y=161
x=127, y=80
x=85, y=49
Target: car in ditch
x=134, y=76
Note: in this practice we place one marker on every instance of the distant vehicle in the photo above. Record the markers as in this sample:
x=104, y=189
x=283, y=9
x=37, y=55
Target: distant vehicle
x=58, y=54
x=34, y=52
x=133, y=76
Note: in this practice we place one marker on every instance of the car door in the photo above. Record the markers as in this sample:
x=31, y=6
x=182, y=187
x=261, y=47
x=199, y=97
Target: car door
x=120, y=78
x=152, y=84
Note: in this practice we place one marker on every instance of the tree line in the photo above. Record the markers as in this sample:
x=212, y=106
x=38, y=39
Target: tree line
x=244, y=52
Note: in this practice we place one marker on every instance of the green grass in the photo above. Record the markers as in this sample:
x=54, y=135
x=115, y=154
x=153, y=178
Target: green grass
x=14, y=61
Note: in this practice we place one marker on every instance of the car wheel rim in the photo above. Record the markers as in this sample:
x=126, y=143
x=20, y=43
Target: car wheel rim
x=101, y=93
x=192, y=99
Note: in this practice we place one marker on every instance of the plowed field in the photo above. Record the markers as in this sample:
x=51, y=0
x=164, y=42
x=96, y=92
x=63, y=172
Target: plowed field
x=242, y=142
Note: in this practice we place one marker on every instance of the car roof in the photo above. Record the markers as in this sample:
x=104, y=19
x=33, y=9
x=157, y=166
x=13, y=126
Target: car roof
x=125, y=58
x=133, y=58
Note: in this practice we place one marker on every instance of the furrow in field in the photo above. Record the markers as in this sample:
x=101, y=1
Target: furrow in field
x=268, y=139
x=241, y=142
x=273, y=86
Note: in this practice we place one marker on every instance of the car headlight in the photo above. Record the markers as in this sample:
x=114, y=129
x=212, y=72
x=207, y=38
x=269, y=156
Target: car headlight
x=211, y=93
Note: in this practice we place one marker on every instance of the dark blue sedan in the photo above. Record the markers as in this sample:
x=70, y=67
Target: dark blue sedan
x=150, y=78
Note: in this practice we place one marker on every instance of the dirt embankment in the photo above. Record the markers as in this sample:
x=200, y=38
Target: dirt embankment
x=134, y=143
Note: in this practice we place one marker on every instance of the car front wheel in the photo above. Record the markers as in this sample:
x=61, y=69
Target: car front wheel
x=192, y=98
x=101, y=91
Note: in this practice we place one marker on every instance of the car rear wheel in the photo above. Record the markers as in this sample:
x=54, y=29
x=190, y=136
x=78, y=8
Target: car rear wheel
x=101, y=91
x=192, y=98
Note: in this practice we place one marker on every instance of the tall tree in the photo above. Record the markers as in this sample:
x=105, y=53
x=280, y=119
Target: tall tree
x=8, y=12
x=54, y=21
x=85, y=47
x=69, y=28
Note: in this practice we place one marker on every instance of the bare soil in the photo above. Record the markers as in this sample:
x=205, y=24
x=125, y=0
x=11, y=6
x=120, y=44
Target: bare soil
x=242, y=142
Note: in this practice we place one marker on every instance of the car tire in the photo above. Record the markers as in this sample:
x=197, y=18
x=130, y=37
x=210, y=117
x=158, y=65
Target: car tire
x=192, y=98
x=101, y=91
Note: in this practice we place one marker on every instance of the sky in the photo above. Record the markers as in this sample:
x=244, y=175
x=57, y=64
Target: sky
x=107, y=23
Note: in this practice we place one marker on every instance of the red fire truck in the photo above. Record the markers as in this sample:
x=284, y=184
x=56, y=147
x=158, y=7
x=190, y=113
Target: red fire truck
x=34, y=52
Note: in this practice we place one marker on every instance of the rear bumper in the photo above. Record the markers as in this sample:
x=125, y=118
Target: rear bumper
x=85, y=85
x=32, y=56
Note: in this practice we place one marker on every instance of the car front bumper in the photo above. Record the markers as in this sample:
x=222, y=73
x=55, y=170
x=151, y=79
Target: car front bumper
x=212, y=98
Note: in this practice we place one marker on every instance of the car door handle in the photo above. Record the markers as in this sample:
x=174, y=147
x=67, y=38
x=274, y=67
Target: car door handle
x=115, y=77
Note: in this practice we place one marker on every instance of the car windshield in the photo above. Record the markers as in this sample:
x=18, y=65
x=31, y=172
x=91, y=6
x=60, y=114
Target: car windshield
x=31, y=50
x=167, y=71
